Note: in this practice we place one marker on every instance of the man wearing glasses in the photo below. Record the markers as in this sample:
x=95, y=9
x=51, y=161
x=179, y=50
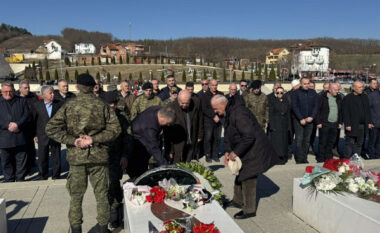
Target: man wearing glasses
x=243, y=87
x=204, y=89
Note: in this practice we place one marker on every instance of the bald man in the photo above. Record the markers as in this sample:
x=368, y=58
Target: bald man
x=356, y=118
x=183, y=136
x=233, y=94
x=211, y=123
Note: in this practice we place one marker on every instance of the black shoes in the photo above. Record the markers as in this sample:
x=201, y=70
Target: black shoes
x=216, y=159
x=208, y=159
x=242, y=215
x=232, y=203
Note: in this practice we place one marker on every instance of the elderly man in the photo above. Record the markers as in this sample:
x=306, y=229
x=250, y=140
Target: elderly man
x=211, y=123
x=146, y=131
x=63, y=94
x=244, y=138
x=87, y=126
x=42, y=111
x=14, y=114
x=326, y=88
x=186, y=131
x=145, y=101
x=272, y=96
x=156, y=89
x=356, y=118
x=30, y=128
x=329, y=120
x=126, y=98
x=257, y=102
x=165, y=92
x=233, y=94
x=305, y=107
x=204, y=88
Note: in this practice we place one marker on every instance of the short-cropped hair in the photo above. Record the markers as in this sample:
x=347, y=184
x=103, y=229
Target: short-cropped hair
x=8, y=84
x=22, y=82
x=46, y=88
x=168, y=113
x=189, y=84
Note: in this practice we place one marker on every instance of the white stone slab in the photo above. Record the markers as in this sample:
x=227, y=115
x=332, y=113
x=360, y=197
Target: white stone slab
x=335, y=213
x=136, y=218
x=3, y=216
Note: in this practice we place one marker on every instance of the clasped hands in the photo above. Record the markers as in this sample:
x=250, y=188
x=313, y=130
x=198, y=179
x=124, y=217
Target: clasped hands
x=13, y=127
x=84, y=141
x=229, y=156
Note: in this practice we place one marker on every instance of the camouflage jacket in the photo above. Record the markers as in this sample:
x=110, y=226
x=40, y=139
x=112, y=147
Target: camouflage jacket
x=258, y=104
x=84, y=115
x=141, y=103
x=125, y=103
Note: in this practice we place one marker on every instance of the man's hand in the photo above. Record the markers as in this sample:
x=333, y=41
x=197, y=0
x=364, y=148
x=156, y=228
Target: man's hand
x=35, y=139
x=340, y=126
x=303, y=122
x=232, y=156
x=225, y=158
x=13, y=127
x=84, y=141
x=309, y=119
x=266, y=125
x=319, y=126
x=348, y=128
x=171, y=156
x=370, y=126
x=123, y=163
x=199, y=140
x=216, y=119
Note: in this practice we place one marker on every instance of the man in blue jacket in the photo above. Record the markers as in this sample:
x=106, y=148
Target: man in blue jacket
x=305, y=106
x=165, y=92
x=14, y=113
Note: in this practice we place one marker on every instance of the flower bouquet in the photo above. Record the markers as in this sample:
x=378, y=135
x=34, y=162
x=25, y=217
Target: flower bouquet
x=195, y=197
x=157, y=195
x=172, y=227
x=203, y=228
x=136, y=194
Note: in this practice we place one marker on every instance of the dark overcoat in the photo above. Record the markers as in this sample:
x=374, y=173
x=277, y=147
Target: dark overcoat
x=244, y=136
x=351, y=116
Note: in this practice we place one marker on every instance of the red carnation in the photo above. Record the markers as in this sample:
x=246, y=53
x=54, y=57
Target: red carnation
x=309, y=169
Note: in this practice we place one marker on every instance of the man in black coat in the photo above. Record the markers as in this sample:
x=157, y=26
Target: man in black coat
x=204, y=89
x=14, y=114
x=182, y=137
x=356, y=118
x=63, y=94
x=165, y=92
x=329, y=121
x=43, y=111
x=211, y=123
x=244, y=138
x=30, y=129
x=146, y=131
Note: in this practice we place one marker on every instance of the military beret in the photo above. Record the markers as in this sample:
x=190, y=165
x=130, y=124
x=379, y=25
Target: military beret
x=86, y=80
x=147, y=85
x=110, y=97
x=256, y=84
x=173, y=90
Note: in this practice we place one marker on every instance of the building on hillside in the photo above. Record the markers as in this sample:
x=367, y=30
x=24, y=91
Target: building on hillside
x=276, y=55
x=85, y=48
x=134, y=49
x=310, y=58
x=53, y=50
x=112, y=50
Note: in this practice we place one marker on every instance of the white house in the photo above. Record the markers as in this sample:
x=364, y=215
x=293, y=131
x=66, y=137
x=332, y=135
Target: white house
x=85, y=48
x=53, y=50
x=310, y=57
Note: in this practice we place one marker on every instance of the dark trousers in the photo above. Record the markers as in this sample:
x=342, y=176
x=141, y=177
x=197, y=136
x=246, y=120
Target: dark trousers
x=327, y=137
x=211, y=139
x=302, y=133
x=353, y=144
x=245, y=194
x=43, y=160
x=313, y=135
x=30, y=152
x=374, y=143
x=138, y=161
x=187, y=155
x=13, y=162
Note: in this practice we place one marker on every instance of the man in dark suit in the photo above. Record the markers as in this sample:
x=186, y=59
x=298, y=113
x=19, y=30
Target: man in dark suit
x=14, y=114
x=63, y=94
x=165, y=92
x=182, y=137
x=43, y=110
x=204, y=89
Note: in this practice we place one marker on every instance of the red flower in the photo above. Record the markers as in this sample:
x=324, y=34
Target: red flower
x=157, y=195
x=203, y=228
x=309, y=169
x=334, y=164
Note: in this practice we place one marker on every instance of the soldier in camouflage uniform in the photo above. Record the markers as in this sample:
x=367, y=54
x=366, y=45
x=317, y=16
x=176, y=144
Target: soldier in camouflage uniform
x=258, y=104
x=145, y=101
x=86, y=125
x=125, y=98
x=173, y=92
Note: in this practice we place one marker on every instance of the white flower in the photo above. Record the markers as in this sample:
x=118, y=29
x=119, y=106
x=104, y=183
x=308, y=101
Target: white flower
x=359, y=180
x=353, y=187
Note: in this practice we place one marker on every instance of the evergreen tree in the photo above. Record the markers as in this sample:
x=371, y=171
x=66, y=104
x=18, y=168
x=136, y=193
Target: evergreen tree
x=47, y=78
x=161, y=60
x=67, y=77
x=76, y=63
x=239, y=67
x=155, y=60
x=201, y=63
x=108, y=77
x=142, y=60
x=195, y=61
x=130, y=76
x=107, y=62
x=259, y=72
x=46, y=63
x=134, y=60
x=99, y=61
x=120, y=60
x=113, y=60
x=208, y=63
x=214, y=75
x=162, y=77
x=41, y=75
x=266, y=72
x=233, y=66
x=92, y=61
x=224, y=75
x=34, y=65
x=251, y=77
x=168, y=60
x=246, y=68
x=88, y=72
x=234, y=77
x=40, y=65
x=98, y=76
x=272, y=73
x=119, y=78
x=257, y=69
x=184, y=76
x=204, y=75
x=243, y=75
x=67, y=61
x=84, y=62
x=127, y=58
x=195, y=76
x=56, y=77
x=76, y=75
x=148, y=60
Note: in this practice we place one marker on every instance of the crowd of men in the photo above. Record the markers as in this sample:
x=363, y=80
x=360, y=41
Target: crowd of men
x=107, y=133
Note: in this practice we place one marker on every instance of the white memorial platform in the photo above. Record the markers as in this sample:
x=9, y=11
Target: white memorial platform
x=136, y=218
x=3, y=216
x=329, y=213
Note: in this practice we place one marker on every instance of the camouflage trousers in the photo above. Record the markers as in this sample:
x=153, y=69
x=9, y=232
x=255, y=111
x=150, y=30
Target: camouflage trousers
x=115, y=194
x=77, y=185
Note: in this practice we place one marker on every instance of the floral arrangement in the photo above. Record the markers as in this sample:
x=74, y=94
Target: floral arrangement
x=203, y=228
x=208, y=175
x=176, y=192
x=172, y=227
x=157, y=195
x=194, y=198
x=342, y=175
x=136, y=194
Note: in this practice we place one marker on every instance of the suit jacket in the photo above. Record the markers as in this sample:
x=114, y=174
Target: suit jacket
x=41, y=117
x=59, y=98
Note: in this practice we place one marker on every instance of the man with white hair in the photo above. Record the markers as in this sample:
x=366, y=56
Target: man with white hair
x=244, y=138
x=182, y=137
x=42, y=111
x=63, y=94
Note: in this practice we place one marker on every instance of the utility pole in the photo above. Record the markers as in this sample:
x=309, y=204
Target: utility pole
x=130, y=31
